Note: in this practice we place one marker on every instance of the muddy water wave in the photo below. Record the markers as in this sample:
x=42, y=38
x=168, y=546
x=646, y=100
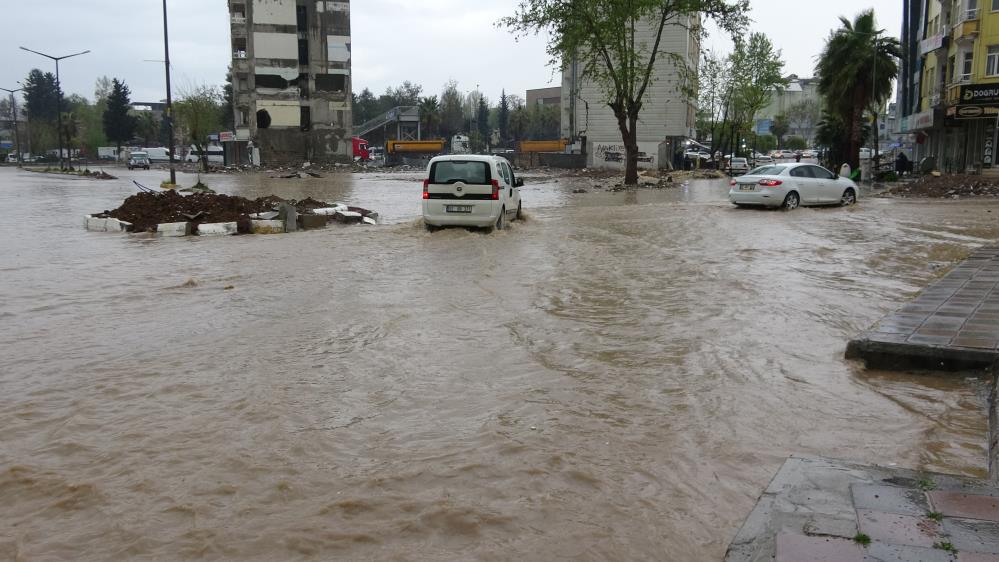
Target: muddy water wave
x=616, y=378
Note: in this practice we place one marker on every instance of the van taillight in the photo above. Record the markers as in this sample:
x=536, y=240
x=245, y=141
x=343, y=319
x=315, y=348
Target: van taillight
x=496, y=190
x=426, y=188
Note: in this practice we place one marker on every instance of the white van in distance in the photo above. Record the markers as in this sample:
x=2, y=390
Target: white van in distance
x=215, y=154
x=471, y=190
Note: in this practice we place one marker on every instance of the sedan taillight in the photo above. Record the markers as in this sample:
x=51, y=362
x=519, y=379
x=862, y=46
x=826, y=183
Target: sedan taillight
x=770, y=183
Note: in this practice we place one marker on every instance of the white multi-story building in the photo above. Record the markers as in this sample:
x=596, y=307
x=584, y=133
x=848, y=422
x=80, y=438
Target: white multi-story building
x=291, y=79
x=668, y=116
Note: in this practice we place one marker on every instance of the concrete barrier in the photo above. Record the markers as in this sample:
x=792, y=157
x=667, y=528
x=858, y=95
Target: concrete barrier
x=94, y=224
x=267, y=227
x=173, y=229
x=218, y=229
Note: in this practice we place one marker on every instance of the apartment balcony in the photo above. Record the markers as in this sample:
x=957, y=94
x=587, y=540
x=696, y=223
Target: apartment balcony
x=967, y=28
x=954, y=88
x=238, y=19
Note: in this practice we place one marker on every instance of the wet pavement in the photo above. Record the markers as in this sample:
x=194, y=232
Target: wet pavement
x=821, y=510
x=615, y=378
x=954, y=322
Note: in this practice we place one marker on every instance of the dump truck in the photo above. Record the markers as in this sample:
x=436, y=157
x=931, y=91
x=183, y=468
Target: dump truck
x=543, y=145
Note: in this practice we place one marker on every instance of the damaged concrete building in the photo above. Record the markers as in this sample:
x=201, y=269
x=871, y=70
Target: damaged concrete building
x=291, y=81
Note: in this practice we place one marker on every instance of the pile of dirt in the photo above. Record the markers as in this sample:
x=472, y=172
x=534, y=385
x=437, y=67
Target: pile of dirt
x=948, y=186
x=146, y=210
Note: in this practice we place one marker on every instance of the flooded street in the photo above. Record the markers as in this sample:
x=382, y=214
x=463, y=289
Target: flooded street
x=616, y=378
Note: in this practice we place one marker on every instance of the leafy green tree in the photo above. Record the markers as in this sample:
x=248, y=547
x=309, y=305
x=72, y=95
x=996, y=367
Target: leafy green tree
x=199, y=114
x=779, y=129
x=365, y=106
x=430, y=115
x=604, y=37
x=503, y=118
x=452, y=118
x=228, y=109
x=714, y=90
x=520, y=123
x=119, y=124
x=803, y=116
x=795, y=143
x=482, y=120
x=756, y=75
x=147, y=127
x=41, y=96
x=856, y=72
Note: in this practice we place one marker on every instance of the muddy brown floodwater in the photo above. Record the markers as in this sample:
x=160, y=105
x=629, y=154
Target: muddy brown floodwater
x=615, y=378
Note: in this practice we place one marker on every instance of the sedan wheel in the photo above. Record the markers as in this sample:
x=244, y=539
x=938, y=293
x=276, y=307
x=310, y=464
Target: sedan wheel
x=849, y=198
x=792, y=201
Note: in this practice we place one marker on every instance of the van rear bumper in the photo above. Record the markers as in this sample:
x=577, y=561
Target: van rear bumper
x=484, y=213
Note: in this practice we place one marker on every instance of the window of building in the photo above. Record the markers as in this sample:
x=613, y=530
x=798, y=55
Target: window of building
x=951, y=65
x=967, y=65
x=995, y=5
x=331, y=82
x=239, y=48
x=992, y=60
x=306, y=113
x=242, y=117
x=271, y=81
x=239, y=13
x=303, y=51
x=263, y=119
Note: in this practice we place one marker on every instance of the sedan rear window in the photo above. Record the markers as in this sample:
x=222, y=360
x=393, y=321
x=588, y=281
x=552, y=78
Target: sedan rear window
x=453, y=171
x=767, y=171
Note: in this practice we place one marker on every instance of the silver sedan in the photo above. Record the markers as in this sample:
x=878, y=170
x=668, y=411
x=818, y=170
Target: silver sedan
x=790, y=186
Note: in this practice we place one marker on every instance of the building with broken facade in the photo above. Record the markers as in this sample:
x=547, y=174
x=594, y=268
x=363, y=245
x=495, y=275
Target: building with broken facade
x=668, y=117
x=291, y=81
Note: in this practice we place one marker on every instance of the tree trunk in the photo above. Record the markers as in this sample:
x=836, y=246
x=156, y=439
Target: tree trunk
x=627, y=124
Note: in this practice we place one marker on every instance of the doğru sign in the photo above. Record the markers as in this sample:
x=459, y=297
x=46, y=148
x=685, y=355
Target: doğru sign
x=980, y=94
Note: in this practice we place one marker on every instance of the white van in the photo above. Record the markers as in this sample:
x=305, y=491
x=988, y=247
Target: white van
x=216, y=155
x=471, y=190
x=157, y=154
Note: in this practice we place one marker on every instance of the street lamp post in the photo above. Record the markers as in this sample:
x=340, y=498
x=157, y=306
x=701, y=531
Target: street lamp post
x=13, y=108
x=169, y=98
x=58, y=94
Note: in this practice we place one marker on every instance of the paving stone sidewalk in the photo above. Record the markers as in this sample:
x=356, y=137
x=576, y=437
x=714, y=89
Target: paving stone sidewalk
x=953, y=323
x=831, y=511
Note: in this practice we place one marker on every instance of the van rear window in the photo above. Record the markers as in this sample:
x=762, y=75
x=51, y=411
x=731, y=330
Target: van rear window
x=453, y=171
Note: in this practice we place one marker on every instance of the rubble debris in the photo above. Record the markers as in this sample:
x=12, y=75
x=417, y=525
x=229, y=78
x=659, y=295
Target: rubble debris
x=143, y=212
x=951, y=186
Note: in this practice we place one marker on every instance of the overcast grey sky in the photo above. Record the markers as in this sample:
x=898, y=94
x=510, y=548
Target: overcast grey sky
x=424, y=41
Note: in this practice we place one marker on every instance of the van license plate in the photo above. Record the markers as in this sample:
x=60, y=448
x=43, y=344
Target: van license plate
x=458, y=208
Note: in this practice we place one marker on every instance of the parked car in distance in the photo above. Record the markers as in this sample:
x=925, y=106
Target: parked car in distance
x=738, y=165
x=763, y=160
x=138, y=160
x=471, y=190
x=790, y=186
x=786, y=154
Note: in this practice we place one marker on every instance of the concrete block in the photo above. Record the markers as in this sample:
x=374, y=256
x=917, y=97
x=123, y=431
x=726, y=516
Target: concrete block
x=217, y=229
x=312, y=222
x=267, y=227
x=173, y=229
x=94, y=224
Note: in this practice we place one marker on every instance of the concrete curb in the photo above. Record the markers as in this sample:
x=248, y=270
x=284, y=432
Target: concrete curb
x=218, y=229
x=266, y=227
x=173, y=229
x=94, y=224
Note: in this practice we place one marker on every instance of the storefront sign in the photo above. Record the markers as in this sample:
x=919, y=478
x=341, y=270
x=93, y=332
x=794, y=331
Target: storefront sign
x=226, y=136
x=921, y=120
x=972, y=112
x=979, y=94
x=931, y=44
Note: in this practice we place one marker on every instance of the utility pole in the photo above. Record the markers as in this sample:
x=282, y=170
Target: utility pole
x=13, y=108
x=58, y=96
x=169, y=105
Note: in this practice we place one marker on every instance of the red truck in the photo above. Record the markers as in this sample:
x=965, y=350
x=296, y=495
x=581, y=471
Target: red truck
x=361, y=151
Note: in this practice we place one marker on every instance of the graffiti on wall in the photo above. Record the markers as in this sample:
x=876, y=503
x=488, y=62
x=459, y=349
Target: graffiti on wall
x=614, y=154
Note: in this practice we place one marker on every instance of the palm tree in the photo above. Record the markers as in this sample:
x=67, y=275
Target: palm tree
x=856, y=70
x=430, y=114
